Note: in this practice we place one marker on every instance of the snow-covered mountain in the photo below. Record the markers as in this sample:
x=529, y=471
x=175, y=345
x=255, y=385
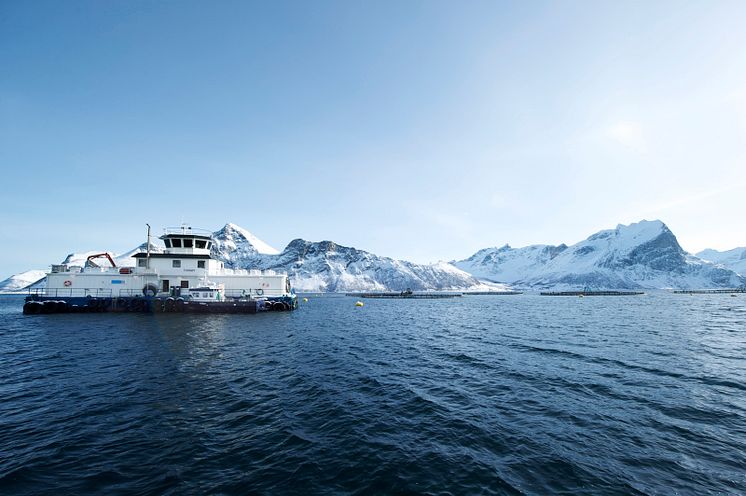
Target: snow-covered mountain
x=734, y=259
x=238, y=248
x=642, y=255
x=327, y=266
x=22, y=280
x=645, y=254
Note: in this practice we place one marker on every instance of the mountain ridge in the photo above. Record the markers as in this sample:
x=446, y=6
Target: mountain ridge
x=644, y=254
x=640, y=255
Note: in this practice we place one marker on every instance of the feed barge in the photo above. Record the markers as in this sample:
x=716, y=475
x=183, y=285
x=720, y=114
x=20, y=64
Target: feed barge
x=182, y=278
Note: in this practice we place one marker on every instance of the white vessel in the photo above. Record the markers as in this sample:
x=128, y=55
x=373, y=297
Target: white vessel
x=184, y=271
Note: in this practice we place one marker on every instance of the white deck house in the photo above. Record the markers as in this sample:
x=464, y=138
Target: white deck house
x=185, y=263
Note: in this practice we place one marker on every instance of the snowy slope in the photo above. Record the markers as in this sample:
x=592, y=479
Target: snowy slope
x=509, y=264
x=22, y=280
x=327, y=266
x=645, y=254
x=238, y=248
x=734, y=259
x=239, y=243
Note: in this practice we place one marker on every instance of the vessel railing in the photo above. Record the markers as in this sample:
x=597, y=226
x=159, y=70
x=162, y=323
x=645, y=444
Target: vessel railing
x=249, y=272
x=228, y=293
x=253, y=293
x=135, y=293
x=186, y=231
x=71, y=292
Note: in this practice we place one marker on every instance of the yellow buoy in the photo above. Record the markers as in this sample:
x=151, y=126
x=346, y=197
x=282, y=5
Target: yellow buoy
x=305, y=300
x=359, y=303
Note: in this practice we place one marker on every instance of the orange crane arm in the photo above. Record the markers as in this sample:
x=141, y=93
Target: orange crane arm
x=90, y=261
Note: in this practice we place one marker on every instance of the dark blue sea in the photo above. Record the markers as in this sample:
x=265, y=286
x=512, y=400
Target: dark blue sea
x=477, y=395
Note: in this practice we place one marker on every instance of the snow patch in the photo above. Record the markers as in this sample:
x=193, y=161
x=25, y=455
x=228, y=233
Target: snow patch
x=22, y=281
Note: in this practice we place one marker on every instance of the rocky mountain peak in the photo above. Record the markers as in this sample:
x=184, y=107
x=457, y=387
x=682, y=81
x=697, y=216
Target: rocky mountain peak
x=641, y=254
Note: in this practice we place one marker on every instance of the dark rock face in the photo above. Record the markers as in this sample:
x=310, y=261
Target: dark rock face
x=584, y=250
x=553, y=251
x=662, y=253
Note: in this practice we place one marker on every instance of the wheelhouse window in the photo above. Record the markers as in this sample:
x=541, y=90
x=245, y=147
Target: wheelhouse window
x=200, y=264
x=167, y=242
x=200, y=243
x=176, y=242
x=141, y=262
x=176, y=263
x=209, y=244
x=185, y=284
x=188, y=243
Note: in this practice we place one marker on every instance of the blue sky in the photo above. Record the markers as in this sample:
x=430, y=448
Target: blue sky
x=417, y=130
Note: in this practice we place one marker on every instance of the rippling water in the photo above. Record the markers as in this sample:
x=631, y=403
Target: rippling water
x=478, y=395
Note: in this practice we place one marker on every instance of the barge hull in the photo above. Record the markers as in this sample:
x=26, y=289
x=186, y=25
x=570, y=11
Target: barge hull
x=47, y=305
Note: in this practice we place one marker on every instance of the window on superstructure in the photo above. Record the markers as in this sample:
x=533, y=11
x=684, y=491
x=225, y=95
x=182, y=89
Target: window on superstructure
x=176, y=242
x=167, y=242
x=200, y=244
x=141, y=262
x=176, y=264
x=187, y=243
x=200, y=264
x=209, y=244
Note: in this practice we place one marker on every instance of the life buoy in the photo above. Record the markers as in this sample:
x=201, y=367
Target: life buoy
x=260, y=291
x=68, y=283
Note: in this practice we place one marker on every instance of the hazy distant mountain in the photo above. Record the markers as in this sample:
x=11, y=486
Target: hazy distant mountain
x=641, y=255
x=734, y=259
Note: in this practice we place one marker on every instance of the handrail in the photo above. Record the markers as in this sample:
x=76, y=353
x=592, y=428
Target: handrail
x=71, y=292
x=186, y=231
x=133, y=293
x=239, y=293
x=145, y=271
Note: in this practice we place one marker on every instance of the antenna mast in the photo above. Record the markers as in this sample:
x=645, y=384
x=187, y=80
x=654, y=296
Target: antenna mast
x=147, y=258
